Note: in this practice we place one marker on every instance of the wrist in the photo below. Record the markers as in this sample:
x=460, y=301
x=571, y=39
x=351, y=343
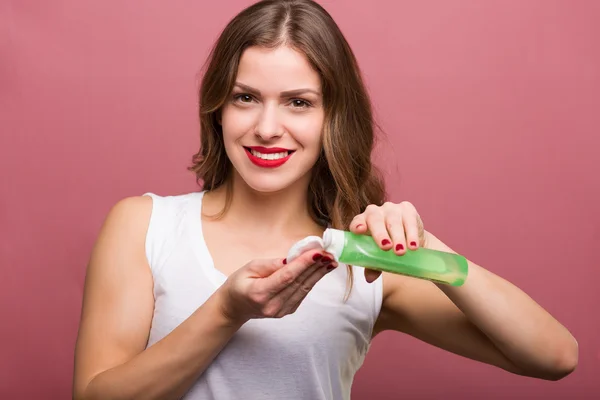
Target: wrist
x=226, y=310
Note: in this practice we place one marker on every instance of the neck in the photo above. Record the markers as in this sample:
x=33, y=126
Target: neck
x=285, y=212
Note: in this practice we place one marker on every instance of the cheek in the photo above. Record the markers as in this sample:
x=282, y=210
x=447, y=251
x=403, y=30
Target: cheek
x=235, y=124
x=310, y=131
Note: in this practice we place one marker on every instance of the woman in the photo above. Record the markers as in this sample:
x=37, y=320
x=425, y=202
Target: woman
x=186, y=295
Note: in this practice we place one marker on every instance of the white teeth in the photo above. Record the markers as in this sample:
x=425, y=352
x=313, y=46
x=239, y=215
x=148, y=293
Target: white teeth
x=271, y=156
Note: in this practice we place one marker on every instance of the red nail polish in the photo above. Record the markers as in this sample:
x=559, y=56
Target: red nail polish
x=284, y=261
x=317, y=257
x=385, y=242
x=331, y=267
x=413, y=244
x=399, y=247
x=326, y=260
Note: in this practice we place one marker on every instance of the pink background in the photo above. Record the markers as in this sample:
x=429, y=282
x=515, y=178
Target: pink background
x=492, y=116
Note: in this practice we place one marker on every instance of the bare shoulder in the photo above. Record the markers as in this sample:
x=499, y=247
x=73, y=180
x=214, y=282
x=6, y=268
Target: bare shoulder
x=130, y=212
x=123, y=233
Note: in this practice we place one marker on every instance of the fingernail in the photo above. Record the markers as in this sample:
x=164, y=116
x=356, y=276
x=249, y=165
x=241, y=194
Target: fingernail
x=317, y=257
x=284, y=261
x=385, y=242
x=331, y=268
x=413, y=244
x=326, y=260
x=399, y=247
x=359, y=226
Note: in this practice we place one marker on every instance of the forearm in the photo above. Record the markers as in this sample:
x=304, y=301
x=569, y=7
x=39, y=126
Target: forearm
x=167, y=369
x=521, y=329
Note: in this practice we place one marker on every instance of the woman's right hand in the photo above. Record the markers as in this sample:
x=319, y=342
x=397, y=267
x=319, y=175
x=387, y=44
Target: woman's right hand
x=272, y=288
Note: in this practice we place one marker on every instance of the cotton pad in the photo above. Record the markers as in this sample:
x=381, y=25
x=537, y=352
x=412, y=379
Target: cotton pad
x=308, y=243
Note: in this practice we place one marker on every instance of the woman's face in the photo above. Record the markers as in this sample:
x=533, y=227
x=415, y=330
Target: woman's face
x=273, y=120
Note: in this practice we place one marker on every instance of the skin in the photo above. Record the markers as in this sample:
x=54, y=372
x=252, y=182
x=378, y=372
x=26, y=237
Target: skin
x=487, y=319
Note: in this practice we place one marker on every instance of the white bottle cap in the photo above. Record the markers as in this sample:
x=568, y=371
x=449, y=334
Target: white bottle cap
x=333, y=242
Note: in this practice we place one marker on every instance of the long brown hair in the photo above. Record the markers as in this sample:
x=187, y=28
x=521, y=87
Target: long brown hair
x=344, y=181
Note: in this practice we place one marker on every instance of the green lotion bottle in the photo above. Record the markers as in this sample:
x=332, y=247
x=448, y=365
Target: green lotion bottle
x=362, y=250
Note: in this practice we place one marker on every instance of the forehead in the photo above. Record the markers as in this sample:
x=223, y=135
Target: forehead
x=276, y=70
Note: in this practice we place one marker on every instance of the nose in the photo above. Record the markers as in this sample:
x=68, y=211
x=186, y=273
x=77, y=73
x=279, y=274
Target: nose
x=269, y=125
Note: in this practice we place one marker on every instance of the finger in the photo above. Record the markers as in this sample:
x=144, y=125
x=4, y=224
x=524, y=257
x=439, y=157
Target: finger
x=422, y=239
x=371, y=275
x=378, y=230
x=299, y=297
x=358, y=224
x=290, y=289
x=291, y=272
x=395, y=227
x=294, y=301
x=410, y=220
x=321, y=263
x=310, y=270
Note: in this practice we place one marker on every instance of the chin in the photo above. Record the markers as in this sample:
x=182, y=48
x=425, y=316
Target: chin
x=268, y=185
x=272, y=182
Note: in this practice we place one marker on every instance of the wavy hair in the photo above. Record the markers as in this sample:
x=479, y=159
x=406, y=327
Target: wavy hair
x=344, y=180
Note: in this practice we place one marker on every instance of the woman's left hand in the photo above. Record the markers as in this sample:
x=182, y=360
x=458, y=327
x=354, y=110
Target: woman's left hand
x=395, y=227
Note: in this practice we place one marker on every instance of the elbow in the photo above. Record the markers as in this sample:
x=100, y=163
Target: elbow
x=557, y=364
x=563, y=362
x=567, y=360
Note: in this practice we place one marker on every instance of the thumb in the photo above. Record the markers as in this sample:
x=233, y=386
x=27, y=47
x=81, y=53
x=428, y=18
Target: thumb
x=371, y=275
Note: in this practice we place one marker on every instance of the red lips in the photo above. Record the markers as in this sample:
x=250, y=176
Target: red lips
x=261, y=162
x=268, y=150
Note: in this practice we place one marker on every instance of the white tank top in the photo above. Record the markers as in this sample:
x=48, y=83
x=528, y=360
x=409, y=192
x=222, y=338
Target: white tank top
x=312, y=354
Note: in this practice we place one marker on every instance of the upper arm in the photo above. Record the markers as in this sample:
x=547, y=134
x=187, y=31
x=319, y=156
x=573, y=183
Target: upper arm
x=419, y=308
x=118, y=299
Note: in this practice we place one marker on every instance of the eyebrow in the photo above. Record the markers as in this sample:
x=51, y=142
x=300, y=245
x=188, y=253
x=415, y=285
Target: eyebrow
x=287, y=93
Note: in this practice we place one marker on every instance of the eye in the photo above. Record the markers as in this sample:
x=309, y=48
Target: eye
x=299, y=103
x=243, y=98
